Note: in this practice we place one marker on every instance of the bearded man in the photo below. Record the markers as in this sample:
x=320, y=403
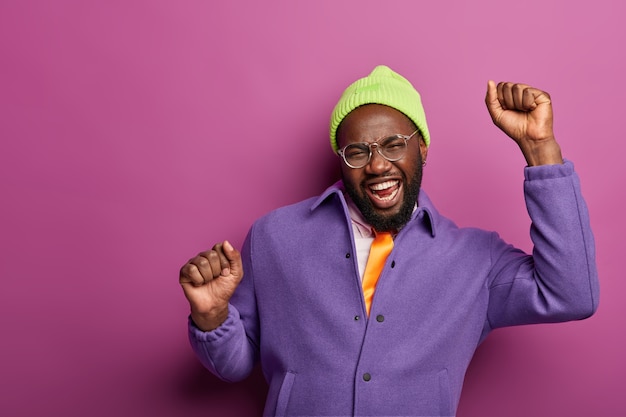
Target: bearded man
x=365, y=301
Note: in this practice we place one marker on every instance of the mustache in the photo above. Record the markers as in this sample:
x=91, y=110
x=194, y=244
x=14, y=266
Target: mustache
x=370, y=177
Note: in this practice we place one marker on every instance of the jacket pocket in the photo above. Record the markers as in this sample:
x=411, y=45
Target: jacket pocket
x=284, y=394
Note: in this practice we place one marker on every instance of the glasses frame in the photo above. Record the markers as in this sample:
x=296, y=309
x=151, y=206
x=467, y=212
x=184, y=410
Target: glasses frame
x=342, y=152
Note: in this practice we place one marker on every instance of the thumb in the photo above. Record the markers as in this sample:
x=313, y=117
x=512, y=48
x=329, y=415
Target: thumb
x=234, y=259
x=491, y=100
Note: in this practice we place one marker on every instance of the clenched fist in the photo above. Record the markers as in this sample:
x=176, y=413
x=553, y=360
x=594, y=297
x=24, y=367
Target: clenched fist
x=209, y=281
x=525, y=114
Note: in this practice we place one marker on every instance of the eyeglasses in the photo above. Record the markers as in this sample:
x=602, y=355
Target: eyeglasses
x=392, y=148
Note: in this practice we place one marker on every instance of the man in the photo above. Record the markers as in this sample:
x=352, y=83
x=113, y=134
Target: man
x=336, y=337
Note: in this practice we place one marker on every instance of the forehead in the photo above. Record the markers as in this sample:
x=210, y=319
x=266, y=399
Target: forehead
x=371, y=122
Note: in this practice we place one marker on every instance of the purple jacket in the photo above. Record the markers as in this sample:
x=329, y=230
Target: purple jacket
x=300, y=309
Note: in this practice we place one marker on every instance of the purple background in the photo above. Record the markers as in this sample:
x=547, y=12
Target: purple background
x=135, y=134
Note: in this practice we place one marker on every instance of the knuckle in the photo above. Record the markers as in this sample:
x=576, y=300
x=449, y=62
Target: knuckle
x=186, y=269
x=212, y=257
x=188, y=272
x=200, y=261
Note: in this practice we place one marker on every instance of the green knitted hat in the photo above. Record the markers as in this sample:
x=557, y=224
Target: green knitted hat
x=382, y=86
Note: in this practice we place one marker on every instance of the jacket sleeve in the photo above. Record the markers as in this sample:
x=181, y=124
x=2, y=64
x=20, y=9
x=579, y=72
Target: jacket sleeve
x=559, y=281
x=231, y=351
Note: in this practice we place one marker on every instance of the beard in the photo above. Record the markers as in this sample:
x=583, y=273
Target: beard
x=393, y=222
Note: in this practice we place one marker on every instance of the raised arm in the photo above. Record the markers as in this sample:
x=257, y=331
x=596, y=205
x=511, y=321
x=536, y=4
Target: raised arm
x=559, y=281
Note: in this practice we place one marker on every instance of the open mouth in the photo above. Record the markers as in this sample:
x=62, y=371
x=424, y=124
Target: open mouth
x=384, y=192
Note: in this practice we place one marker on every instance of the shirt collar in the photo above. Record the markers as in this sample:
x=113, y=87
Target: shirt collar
x=357, y=218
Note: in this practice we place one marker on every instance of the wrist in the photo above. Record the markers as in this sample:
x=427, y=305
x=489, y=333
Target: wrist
x=208, y=321
x=544, y=152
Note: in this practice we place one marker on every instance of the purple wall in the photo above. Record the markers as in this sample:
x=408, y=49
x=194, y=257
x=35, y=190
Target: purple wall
x=135, y=134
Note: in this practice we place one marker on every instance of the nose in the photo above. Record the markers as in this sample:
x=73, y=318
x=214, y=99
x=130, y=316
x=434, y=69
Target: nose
x=377, y=163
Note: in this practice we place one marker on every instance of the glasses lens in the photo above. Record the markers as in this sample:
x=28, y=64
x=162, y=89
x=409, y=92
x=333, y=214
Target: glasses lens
x=356, y=155
x=393, y=148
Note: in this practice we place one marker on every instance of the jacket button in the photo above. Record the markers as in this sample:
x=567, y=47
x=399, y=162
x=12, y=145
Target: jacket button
x=347, y=255
x=393, y=264
x=366, y=377
x=357, y=318
x=380, y=318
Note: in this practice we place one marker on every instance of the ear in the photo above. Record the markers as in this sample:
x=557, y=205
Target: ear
x=423, y=149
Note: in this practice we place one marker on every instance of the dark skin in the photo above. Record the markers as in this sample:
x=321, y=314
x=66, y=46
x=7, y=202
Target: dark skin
x=523, y=113
x=385, y=192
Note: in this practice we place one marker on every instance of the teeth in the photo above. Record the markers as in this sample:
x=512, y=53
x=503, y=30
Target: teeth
x=389, y=197
x=383, y=185
x=376, y=188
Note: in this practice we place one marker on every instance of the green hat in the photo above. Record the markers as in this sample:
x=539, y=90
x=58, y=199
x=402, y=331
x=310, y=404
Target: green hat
x=382, y=86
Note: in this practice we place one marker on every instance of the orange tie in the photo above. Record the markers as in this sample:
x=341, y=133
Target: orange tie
x=381, y=247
